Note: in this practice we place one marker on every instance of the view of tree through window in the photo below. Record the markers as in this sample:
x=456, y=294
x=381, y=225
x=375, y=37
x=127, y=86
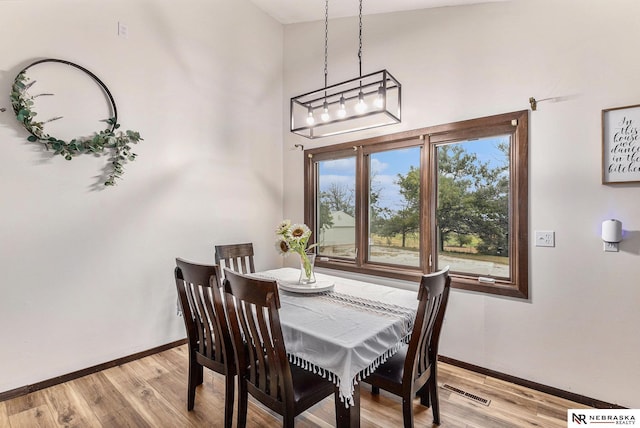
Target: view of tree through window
x=336, y=207
x=394, y=207
x=406, y=204
x=473, y=206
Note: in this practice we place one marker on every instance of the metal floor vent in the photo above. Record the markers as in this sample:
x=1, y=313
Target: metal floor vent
x=470, y=396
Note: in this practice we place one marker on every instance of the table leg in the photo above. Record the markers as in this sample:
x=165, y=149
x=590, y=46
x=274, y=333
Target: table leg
x=348, y=417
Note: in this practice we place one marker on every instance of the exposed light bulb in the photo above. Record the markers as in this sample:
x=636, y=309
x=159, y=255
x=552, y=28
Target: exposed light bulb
x=310, y=119
x=325, y=116
x=361, y=106
x=379, y=102
x=342, y=111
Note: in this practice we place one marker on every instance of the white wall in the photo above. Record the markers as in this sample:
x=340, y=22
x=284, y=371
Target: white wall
x=87, y=275
x=579, y=330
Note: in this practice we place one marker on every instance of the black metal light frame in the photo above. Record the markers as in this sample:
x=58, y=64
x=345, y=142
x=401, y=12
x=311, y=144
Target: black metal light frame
x=380, y=87
x=364, y=102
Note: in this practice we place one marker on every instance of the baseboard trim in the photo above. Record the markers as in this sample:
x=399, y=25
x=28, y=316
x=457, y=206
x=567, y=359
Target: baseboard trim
x=24, y=390
x=587, y=401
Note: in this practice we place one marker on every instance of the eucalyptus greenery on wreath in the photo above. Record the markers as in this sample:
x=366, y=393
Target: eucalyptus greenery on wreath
x=111, y=138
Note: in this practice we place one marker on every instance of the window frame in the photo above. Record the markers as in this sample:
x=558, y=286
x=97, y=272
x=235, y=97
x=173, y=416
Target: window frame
x=514, y=124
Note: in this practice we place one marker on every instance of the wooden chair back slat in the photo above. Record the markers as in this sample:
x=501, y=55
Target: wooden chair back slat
x=187, y=305
x=252, y=310
x=415, y=370
x=423, y=347
x=202, y=321
x=208, y=334
x=237, y=257
x=257, y=376
x=203, y=311
x=214, y=330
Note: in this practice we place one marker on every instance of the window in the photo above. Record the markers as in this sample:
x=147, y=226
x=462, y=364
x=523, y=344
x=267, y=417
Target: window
x=394, y=207
x=472, y=214
x=336, y=227
x=406, y=204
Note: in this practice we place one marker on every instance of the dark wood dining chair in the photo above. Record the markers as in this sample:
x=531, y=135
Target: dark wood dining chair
x=208, y=335
x=413, y=369
x=264, y=370
x=238, y=257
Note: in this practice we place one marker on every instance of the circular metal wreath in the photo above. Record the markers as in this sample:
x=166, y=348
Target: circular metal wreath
x=110, y=138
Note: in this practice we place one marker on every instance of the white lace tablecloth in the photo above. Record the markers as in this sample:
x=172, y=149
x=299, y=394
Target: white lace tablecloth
x=345, y=333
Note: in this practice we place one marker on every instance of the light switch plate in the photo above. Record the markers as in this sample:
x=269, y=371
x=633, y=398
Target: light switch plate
x=123, y=30
x=545, y=238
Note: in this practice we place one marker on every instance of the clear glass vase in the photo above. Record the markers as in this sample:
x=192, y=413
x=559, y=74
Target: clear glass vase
x=307, y=274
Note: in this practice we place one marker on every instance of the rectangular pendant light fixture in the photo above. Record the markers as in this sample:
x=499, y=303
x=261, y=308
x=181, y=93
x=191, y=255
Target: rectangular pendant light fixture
x=361, y=103
x=364, y=102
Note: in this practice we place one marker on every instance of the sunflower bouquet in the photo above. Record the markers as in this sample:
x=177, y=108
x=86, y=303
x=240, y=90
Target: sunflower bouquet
x=293, y=238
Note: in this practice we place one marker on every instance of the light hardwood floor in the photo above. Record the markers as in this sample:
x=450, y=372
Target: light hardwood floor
x=151, y=392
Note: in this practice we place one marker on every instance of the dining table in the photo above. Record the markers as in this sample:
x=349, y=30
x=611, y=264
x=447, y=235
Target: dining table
x=342, y=329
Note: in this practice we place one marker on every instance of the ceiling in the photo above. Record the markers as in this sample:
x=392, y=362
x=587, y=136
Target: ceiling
x=293, y=11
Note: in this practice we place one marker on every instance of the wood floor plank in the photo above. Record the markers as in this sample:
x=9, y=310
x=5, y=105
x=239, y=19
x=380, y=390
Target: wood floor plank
x=103, y=397
x=314, y=420
x=69, y=407
x=149, y=368
x=474, y=415
x=447, y=370
x=152, y=392
x=209, y=395
x=532, y=394
x=324, y=411
x=385, y=410
x=507, y=403
x=143, y=398
x=126, y=417
x=173, y=361
x=553, y=411
x=4, y=416
x=26, y=402
x=35, y=417
x=179, y=355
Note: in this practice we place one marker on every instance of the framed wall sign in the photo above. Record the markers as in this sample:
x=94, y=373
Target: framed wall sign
x=621, y=145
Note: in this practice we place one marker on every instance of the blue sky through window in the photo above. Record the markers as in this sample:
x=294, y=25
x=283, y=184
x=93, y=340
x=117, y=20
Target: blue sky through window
x=385, y=167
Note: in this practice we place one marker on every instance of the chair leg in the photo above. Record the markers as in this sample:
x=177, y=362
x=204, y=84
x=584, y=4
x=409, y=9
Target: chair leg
x=435, y=403
x=288, y=421
x=375, y=390
x=407, y=411
x=199, y=374
x=423, y=393
x=228, y=400
x=195, y=379
x=243, y=396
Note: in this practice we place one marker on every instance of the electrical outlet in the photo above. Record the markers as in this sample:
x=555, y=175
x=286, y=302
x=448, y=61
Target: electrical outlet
x=545, y=238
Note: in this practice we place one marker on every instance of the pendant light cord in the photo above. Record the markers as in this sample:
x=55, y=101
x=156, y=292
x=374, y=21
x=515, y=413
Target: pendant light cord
x=326, y=40
x=360, y=39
